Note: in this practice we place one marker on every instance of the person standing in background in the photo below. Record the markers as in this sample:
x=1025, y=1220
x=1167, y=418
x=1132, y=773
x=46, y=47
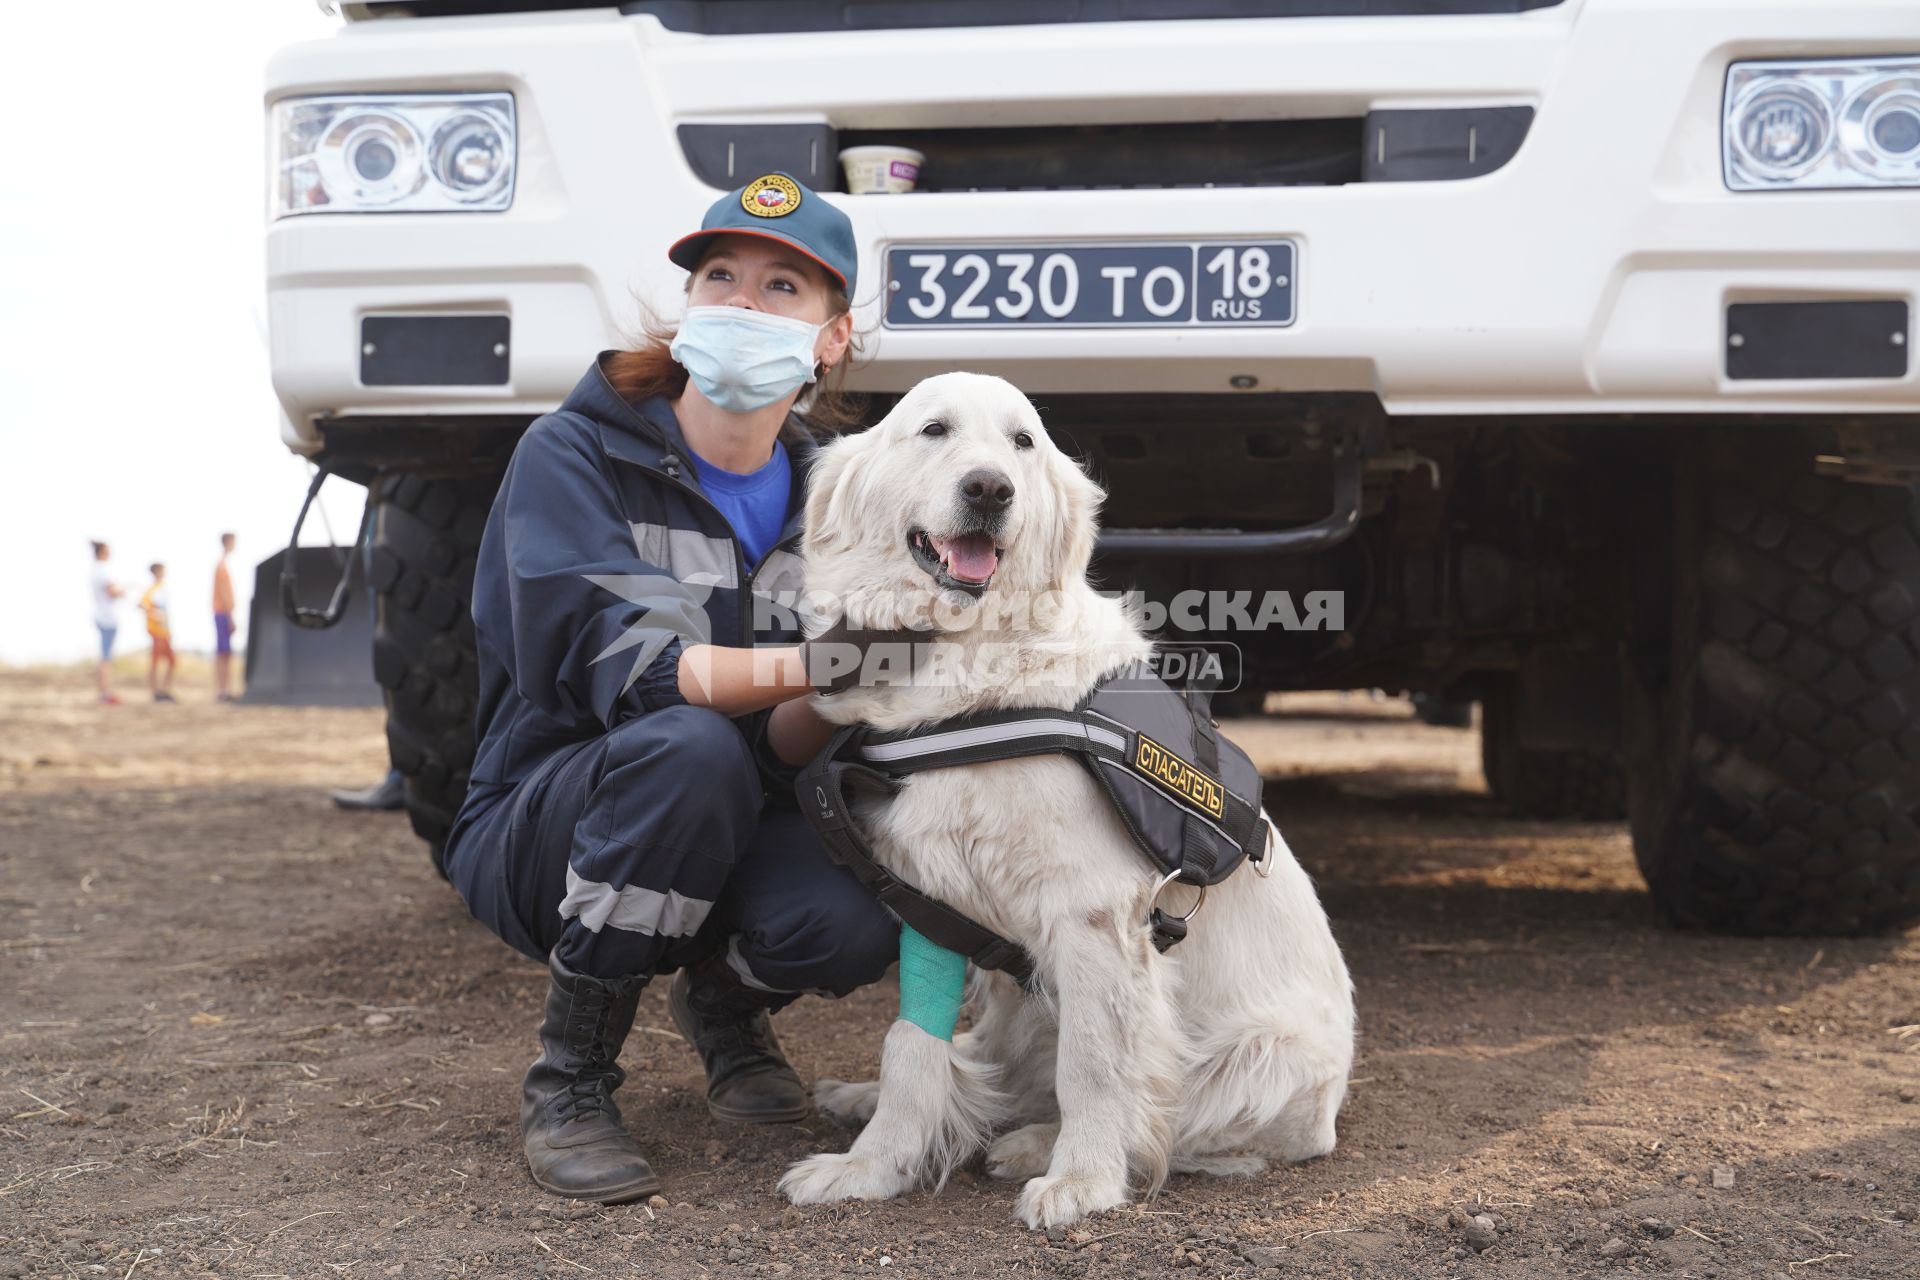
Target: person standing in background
x=106, y=617
x=154, y=605
x=223, y=623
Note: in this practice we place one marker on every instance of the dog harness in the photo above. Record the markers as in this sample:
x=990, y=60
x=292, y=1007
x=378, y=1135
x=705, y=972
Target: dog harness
x=1189, y=799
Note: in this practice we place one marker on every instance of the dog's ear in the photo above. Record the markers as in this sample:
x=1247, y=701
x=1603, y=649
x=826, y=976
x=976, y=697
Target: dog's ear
x=831, y=487
x=1080, y=519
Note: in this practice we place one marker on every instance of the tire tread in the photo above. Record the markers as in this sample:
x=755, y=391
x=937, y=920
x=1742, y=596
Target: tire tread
x=1794, y=809
x=425, y=542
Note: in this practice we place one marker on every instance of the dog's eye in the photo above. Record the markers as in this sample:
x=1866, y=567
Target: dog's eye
x=935, y=428
x=1022, y=440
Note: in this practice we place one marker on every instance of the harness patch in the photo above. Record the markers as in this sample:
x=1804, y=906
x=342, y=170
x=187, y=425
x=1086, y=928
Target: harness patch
x=1178, y=776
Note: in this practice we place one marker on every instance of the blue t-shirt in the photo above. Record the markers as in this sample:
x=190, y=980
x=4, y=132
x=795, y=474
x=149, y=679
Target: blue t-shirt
x=755, y=504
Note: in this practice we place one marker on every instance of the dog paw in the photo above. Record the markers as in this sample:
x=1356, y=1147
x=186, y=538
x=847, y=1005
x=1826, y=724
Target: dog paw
x=1063, y=1200
x=847, y=1105
x=1024, y=1153
x=823, y=1179
x=1219, y=1166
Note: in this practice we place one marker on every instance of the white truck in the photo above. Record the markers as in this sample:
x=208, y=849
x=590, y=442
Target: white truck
x=1569, y=338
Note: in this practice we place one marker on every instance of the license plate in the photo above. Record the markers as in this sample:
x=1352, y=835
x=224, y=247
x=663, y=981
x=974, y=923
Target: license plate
x=1169, y=283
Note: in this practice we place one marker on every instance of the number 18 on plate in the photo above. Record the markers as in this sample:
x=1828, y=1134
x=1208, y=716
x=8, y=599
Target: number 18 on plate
x=1103, y=285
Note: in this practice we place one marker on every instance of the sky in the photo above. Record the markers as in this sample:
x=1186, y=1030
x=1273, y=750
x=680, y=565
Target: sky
x=135, y=405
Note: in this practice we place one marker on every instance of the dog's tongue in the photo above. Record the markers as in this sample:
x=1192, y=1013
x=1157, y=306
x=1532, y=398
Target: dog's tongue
x=970, y=557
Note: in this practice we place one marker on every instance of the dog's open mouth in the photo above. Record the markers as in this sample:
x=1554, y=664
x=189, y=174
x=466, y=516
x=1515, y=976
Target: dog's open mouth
x=964, y=562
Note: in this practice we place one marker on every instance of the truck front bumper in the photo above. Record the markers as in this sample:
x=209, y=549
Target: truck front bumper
x=1593, y=273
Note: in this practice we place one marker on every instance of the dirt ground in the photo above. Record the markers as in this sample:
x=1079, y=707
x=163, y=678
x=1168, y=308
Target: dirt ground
x=244, y=1034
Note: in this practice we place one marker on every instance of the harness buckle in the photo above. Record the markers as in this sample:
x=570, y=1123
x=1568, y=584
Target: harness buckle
x=1168, y=928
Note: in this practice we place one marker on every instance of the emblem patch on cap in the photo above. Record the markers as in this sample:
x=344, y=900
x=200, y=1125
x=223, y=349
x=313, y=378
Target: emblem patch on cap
x=774, y=196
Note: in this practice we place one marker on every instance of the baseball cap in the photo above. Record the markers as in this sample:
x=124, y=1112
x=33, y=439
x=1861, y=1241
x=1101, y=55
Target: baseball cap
x=776, y=207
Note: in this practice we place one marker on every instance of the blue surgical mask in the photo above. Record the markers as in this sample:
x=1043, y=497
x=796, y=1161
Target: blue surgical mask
x=744, y=360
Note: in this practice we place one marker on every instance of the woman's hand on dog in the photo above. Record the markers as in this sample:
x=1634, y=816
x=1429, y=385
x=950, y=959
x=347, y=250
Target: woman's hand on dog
x=736, y=682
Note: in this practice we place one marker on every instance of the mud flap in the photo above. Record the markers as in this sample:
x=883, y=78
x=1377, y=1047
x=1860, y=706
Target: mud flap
x=304, y=667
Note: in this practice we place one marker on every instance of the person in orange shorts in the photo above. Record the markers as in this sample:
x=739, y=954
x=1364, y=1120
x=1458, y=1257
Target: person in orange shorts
x=154, y=605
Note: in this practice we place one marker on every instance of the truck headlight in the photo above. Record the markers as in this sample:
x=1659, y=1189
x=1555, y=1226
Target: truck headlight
x=393, y=153
x=471, y=157
x=1822, y=124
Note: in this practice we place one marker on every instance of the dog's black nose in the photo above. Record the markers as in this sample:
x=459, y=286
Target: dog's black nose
x=987, y=492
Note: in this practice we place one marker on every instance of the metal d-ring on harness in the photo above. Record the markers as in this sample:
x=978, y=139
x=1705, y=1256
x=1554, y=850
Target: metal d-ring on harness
x=1165, y=927
x=1189, y=799
x=1168, y=928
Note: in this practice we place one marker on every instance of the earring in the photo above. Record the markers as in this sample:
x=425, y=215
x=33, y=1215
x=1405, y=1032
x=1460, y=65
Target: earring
x=820, y=370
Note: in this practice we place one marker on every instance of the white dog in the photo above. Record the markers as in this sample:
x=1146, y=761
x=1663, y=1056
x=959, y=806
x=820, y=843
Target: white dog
x=1229, y=1049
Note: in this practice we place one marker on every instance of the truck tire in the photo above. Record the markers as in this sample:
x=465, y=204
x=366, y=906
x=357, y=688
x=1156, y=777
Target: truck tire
x=1775, y=776
x=1544, y=783
x=426, y=534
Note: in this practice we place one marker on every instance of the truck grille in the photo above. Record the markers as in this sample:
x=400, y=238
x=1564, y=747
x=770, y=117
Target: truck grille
x=757, y=17
x=1423, y=145
x=1242, y=153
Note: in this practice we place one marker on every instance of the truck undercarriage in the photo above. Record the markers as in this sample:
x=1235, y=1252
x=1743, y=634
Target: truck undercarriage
x=1642, y=606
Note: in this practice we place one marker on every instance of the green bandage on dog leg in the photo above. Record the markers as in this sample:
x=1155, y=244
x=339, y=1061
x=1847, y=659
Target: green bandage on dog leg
x=932, y=982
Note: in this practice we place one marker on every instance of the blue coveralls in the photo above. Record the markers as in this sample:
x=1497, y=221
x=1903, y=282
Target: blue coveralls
x=606, y=819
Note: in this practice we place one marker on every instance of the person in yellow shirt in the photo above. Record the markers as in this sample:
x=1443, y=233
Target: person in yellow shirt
x=154, y=605
x=223, y=623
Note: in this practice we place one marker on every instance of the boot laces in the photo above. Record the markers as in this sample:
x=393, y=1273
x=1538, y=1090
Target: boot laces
x=590, y=1091
x=586, y=1096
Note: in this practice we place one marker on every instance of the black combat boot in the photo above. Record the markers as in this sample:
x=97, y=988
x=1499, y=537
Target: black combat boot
x=748, y=1079
x=576, y=1145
